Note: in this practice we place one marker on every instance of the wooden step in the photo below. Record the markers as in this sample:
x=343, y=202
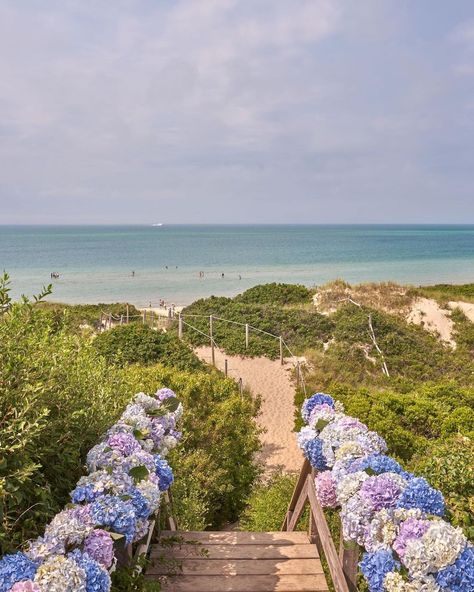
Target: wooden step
x=235, y=537
x=235, y=567
x=235, y=561
x=246, y=583
x=239, y=551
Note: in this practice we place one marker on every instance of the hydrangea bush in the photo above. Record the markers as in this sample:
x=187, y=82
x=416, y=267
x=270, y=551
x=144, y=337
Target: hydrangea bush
x=114, y=502
x=393, y=515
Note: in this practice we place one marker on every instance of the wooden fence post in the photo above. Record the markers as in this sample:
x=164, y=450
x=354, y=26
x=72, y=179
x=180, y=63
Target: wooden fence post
x=349, y=558
x=128, y=314
x=213, y=355
x=225, y=367
x=121, y=319
x=241, y=387
x=110, y=320
x=281, y=350
x=180, y=326
x=143, y=314
x=298, y=370
x=246, y=335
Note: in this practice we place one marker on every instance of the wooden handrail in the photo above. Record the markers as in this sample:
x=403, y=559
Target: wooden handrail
x=342, y=566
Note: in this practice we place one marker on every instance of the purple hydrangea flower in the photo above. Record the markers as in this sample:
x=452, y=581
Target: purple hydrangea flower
x=100, y=546
x=381, y=491
x=164, y=393
x=409, y=529
x=126, y=444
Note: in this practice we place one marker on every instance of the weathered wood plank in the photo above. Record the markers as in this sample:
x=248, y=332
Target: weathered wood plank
x=306, y=583
x=305, y=471
x=241, y=537
x=239, y=551
x=298, y=509
x=337, y=575
x=243, y=567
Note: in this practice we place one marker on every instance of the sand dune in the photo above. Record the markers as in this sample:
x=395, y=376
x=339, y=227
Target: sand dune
x=273, y=382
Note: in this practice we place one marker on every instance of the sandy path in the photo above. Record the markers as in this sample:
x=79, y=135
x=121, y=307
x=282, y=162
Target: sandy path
x=273, y=382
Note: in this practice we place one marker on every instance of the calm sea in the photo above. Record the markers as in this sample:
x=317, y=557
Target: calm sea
x=95, y=263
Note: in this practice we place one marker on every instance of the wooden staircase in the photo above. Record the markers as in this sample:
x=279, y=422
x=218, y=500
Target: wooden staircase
x=232, y=561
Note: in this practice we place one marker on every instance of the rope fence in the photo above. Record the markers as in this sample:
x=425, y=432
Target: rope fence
x=108, y=320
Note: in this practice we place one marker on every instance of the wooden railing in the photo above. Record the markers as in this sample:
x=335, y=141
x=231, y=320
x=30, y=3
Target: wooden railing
x=125, y=554
x=342, y=565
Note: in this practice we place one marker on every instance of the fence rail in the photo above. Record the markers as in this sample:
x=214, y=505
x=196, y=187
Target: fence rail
x=156, y=321
x=342, y=565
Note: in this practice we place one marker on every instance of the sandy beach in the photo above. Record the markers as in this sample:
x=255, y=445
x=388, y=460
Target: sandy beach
x=272, y=381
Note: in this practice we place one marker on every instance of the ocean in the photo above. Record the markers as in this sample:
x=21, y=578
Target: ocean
x=143, y=264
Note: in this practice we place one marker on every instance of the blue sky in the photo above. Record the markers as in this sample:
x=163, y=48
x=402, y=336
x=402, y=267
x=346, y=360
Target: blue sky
x=236, y=111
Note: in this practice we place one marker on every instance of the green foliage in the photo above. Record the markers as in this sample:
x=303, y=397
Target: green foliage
x=429, y=429
x=299, y=328
x=139, y=344
x=131, y=578
x=58, y=396
x=281, y=294
x=214, y=465
x=448, y=466
x=463, y=333
x=268, y=503
x=445, y=292
x=56, y=399
x=79, y=316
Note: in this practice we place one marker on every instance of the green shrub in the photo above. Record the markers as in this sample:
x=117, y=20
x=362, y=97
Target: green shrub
x=56, y=399
x=139, y=344
x=268, y=503
x=299, y=328
x=448, y=466
x=214, y=465
x=78, y=316
x=281, y=294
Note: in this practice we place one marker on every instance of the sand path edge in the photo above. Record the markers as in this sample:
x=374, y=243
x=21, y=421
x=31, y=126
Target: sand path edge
x=272, y=381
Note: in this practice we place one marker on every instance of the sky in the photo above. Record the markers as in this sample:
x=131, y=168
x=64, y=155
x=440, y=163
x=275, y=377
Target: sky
x=236, y=111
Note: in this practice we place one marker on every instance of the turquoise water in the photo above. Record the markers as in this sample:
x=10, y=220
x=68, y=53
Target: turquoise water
x=96, y=262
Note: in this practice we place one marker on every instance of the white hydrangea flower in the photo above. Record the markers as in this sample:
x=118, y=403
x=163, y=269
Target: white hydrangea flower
x=305, y=435
x=350, y=485
x=60, y=574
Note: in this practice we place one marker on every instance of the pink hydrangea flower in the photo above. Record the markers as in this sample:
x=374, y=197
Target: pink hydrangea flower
x=326, y=490
x=25, y=586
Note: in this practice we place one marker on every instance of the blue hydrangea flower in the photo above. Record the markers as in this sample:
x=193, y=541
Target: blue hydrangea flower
x=97, y=578
x=375, y=566
x=310, y=404
x=378, y=463
x=84, y=493
x=458, y=577
x=110, y=510
x=419, y=494
x=164, y=472
x=314, y=453
x=15, y=568
x=140, y=503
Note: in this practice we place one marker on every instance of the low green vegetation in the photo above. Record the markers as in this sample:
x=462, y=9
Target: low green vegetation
x=81, y=316
x=139, y=344
x=276, y=294
x=446, y=292
x=58, y=394
x=299, y=327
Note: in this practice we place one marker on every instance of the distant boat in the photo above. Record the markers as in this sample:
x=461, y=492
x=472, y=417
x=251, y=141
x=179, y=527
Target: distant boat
x=158, y=224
